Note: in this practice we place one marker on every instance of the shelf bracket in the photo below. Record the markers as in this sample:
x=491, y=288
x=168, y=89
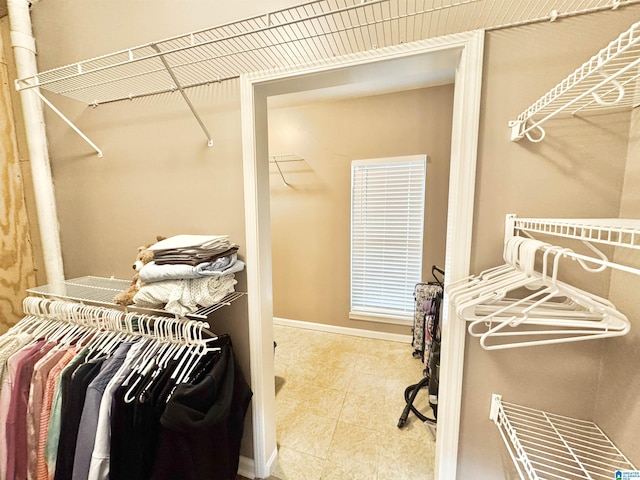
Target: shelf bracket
x=67, y=121
x=184, y=95
x=278, y=159
x=275, y=160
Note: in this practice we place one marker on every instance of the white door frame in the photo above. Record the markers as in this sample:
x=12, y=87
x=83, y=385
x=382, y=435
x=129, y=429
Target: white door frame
x=255, y=88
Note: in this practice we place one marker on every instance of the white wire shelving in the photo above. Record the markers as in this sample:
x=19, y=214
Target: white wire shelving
x=607, y=81
x=101, y=291
x=301, y=34
x=615, y=232
x=606, y=231
x=543, y=445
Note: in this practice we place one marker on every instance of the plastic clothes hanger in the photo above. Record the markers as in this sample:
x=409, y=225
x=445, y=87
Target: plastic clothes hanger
x=495, y=298
x=498, y=304
x=595, y=317
x=494, y=286
x=511, y=256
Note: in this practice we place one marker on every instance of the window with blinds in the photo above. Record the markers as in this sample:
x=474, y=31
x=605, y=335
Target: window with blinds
x=387, y=223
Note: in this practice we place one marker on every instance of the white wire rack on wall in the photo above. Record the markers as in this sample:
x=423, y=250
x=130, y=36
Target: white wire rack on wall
x=608, y=80
x=302, y=34
x=617, y=232
x=543, y=445
x=297, y=35
x=101, y=291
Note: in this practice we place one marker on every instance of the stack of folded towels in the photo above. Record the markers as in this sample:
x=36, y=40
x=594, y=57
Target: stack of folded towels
x=188, y=272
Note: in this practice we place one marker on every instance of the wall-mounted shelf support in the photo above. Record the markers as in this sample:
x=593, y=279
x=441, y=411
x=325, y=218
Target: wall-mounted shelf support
x=184, y=95
x=609, y=80
x=278, y=159
x=67, y=121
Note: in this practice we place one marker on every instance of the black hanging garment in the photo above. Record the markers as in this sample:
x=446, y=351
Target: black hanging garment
x=202, y=424
x=426, y=345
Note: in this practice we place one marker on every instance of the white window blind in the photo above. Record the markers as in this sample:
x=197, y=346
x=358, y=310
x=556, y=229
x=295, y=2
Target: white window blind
x=387, y=222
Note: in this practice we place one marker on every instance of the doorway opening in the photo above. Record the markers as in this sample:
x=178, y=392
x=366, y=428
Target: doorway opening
x=341, y=368
x=457, y=55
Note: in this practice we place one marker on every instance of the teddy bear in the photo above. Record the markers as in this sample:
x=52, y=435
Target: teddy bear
x=144, y=256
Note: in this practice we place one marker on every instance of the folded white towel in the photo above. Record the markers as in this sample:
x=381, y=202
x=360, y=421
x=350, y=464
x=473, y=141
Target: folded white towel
x=151, y=272
x=184, y=296
x=186, y=241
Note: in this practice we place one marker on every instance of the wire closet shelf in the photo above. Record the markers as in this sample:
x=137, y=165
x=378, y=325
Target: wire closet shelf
x=614, y=232
x=101, y=290
x=548, y=446
x=607, y=81
x=606, y=231
x=302, y=34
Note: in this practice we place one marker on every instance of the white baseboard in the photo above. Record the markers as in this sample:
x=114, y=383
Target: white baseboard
x=356, y=332
x=246, y=468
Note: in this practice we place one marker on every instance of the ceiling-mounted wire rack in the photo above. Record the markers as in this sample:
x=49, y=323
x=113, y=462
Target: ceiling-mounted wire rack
x=543, y=445
x=608, y=80
x=101, y=291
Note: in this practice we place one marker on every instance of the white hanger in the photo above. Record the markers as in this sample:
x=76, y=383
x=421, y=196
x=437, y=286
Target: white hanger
x=493, y=285
x=578, y=316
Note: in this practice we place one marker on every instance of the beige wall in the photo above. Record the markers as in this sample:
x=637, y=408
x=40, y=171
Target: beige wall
x=310, y=219
x=617, y=407
x=158, y=177
x=577, y=171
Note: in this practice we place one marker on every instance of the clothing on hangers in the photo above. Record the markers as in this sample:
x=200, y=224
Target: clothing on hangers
x=200, y=439
x=65, y=389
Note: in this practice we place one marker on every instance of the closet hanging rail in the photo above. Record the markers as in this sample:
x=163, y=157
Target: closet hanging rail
x=166, y=329
x=101, y=290
x=608, y=80
x=545, y=445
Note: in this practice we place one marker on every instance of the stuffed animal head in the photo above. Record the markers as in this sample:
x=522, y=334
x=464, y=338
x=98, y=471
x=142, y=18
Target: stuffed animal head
x=144, y=255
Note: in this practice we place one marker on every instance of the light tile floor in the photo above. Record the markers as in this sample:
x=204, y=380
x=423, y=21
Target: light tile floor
x=338, y=401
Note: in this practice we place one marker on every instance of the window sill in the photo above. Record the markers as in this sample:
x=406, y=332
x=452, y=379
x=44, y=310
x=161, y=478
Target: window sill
x=381, y=318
